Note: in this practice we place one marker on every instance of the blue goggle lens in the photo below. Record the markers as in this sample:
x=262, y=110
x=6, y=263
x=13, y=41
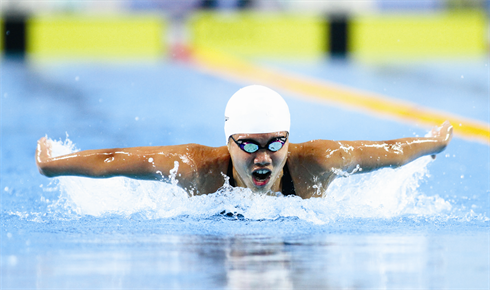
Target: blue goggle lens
x=250, y=146
x=275, y=146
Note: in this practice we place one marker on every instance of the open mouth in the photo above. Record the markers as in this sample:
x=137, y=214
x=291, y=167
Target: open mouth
x=261, y=176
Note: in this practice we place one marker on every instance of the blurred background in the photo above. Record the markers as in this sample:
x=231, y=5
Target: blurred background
x=153, y=29
x=159, y=72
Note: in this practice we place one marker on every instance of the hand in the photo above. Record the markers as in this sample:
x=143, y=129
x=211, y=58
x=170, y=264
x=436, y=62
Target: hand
x=43, y=153
x=443, y=134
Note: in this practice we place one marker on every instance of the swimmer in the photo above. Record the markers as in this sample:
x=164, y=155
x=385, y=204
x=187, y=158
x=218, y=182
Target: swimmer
x=257, y=155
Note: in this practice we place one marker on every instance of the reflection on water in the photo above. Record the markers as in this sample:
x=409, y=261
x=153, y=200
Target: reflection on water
x=256, y=262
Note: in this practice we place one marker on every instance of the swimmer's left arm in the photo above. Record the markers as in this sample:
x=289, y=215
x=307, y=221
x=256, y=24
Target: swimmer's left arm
x=369, y=156
x=323, y=156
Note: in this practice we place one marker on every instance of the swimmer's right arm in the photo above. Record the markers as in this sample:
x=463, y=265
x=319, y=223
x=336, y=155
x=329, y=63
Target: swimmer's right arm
x=138, y=162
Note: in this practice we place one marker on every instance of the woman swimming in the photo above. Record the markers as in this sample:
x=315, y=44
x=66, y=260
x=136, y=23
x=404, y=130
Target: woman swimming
x=258, y=154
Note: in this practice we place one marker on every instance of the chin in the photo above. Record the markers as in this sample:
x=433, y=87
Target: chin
x=261, y=189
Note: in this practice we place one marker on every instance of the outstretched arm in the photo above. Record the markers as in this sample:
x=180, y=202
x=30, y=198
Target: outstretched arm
x=137, y=162
x=393, y=153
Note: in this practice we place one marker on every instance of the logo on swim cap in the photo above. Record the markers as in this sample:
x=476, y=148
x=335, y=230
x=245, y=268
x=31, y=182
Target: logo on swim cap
x=255, y=110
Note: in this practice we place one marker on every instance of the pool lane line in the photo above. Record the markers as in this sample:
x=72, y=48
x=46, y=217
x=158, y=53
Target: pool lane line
x=238, y=70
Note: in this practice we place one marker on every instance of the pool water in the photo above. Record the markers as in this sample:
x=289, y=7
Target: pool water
x=424, y=225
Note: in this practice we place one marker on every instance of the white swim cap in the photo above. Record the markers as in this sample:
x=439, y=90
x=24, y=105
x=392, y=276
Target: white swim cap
x=254, y=110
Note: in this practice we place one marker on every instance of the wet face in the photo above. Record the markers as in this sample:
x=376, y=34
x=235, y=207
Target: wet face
x=261, y=170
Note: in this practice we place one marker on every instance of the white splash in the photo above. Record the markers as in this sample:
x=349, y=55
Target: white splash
x=386, y=193
x=59, y=147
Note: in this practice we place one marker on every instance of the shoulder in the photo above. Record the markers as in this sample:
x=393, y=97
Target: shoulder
x=319, y=156
x=193, y=156
x=311, y=164
x=201, y=168
x=205, y=153
x=211, y=165
x=190, y=149
x=314, y=149
x=208, y=159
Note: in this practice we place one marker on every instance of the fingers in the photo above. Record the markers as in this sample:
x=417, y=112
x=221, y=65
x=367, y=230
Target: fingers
x=444, y=133
x=447, y=128
x=41, y=145
x=43, y=142
x=43, y=150
x=450, y=134
x=43, y=154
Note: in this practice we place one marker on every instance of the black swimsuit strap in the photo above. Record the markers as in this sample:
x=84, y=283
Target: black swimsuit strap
x=287, y=180
x=231, y=180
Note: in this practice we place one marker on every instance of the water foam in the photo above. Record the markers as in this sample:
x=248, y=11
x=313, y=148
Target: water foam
x=383, y=194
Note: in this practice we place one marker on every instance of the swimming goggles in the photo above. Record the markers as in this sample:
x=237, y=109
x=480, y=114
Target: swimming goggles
x=251, y=146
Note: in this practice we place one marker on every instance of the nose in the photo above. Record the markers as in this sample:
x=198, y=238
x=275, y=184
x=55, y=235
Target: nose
x=262, y=158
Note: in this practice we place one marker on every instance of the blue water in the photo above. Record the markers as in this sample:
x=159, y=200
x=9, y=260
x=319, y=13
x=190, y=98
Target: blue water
x=424, y=226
